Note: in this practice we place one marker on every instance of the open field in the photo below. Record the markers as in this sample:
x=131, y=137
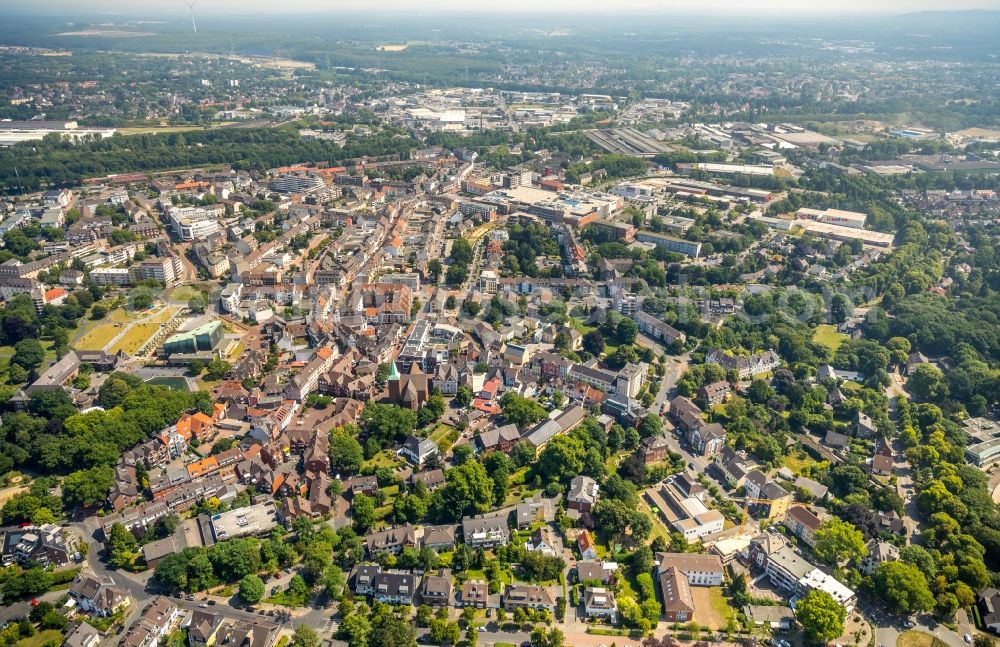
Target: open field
x=519, y=490
x=582, y=328
x=712, y=608
x=391, y=48
x=98, y=338
x=136, y=336
x=119, y=315
x=828, y=336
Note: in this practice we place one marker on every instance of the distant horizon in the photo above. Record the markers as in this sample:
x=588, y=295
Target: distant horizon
x=250, y=8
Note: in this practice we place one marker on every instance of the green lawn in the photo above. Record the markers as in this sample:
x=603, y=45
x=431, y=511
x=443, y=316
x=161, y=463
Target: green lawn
x=609, y=344
x=98, y=338
x=185, y=293
x=135, y=338
x=443, y=436
x=828, y=336
x=720, y=604
x=916, y=639
x=519, y=489
x=40, y=638
x=479, y=574
x=849, y=387
x=798, y=462
x=382, y=459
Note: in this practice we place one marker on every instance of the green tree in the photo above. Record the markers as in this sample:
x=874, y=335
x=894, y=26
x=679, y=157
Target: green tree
x=123, y=547
x=197, y=304
x=561, y=459
x=434, y=270
x=28, y=354
x=471, y=307
x=626, y=331
x=650, y=426
x=217, y=369
x=251, y=589
x=346, y=454
x=461, y=252
x=444, y=632
x=838, y=540
x=305, y=636
x=390, y=630
x=468, y=490
x=521, y=411
x=927, y=382
x=457, y=274
x=840, y=308
x=356, y=628
x=903, y=586
x=463, y=397
x=593, y=343
x=387, y=423
x=363, y=511
x=85, y=488
x=822, y=617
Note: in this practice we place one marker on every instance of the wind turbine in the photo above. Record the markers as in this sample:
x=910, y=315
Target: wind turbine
x=194, y=25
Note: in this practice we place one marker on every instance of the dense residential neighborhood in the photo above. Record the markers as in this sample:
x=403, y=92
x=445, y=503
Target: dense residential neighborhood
x=515, y=363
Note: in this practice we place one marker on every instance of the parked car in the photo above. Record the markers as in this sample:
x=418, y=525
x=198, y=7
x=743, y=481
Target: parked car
x=967, y=638
x=909, y=624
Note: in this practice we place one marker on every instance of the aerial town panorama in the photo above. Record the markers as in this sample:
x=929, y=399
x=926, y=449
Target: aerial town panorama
x=615, y=327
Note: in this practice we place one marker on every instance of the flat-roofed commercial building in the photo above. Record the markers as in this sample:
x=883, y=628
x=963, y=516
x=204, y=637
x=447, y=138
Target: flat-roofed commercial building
x=839, y=232
x=680, y=501
x=671, y=243
x=256, y=519
x=985, y=453
x=840, y=217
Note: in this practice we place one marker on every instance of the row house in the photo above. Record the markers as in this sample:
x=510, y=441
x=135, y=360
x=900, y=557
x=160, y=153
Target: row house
x=125, y=490
x=715, y=393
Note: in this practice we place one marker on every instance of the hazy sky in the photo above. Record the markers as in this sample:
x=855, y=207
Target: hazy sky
x=465, y=6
